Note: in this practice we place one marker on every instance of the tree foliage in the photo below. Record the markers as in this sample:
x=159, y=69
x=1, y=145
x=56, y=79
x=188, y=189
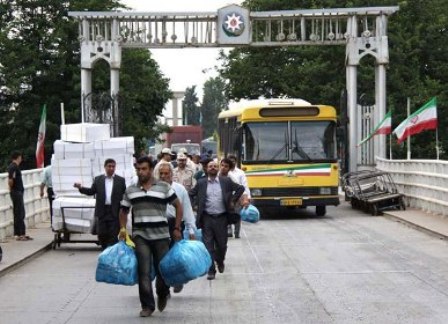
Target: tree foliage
x=418, y=65
x=40, y=64
x=213, y=102
x=190, y=107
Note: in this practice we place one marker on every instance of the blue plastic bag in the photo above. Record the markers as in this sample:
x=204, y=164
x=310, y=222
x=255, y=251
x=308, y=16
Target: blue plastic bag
x=117, y=265
x=250, y=214
x=197, y=234
x=185, y=261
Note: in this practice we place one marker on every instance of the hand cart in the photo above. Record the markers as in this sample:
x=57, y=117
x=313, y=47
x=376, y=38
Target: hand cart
x=63, y=235
x=372, y=191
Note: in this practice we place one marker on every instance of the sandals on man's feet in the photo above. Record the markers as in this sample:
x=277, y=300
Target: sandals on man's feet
x=24, y=238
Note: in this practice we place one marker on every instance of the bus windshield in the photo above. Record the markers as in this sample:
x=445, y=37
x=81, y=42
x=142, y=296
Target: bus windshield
x=297, y=141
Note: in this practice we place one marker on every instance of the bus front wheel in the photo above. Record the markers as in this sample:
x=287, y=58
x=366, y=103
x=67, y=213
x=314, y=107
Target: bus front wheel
x=321, y=210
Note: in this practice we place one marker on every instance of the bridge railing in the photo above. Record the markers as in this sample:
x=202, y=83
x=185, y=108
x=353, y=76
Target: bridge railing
x=36, y=208
x=423, y=182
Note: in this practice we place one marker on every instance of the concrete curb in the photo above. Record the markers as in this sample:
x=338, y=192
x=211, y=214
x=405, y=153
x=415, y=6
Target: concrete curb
x=413, y=225
x=25, y=260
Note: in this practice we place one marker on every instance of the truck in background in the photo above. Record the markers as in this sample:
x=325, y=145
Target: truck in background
x=187, y=136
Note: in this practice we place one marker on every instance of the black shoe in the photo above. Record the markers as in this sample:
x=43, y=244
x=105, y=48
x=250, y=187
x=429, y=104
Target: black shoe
x=178, y=288
x=210, y=276
x=161, y=303
x=221, y=267
x=237, y=235
x=229, y=235
x=146, y=312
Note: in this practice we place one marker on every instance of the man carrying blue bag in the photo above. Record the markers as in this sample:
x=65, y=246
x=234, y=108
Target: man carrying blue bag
x=148, y=199
x=166, y=174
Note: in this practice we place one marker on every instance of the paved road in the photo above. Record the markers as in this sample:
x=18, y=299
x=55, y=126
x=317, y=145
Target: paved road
x=346, y=267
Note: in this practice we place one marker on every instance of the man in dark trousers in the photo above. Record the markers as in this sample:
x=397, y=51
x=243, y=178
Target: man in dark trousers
x=108, y=190
x=150, y=231
x=16, y=191
x=215, y=197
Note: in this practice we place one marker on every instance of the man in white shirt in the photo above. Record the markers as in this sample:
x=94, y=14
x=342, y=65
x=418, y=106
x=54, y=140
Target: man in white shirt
x=108, y=190
x=239, y=177
x=166, y=155
x=189, y=221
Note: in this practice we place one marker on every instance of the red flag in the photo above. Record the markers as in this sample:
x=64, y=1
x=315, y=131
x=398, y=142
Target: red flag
x=40, y=157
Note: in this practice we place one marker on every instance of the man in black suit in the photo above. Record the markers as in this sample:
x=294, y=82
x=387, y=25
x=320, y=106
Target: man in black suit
x=216, y=197
x=108, y=190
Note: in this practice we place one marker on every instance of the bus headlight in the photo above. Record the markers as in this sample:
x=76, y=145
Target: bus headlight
x=325, y=191
x=256, y=192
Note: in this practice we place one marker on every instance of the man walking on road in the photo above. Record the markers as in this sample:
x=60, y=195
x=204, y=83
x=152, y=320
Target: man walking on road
x=108, y=190
x=238, y=175
x=189, y=221
x=148, y=199
x=216, y=198
x=16, y=191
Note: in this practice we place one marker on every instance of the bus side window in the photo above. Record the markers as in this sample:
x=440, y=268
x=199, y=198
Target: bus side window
x=238, y=139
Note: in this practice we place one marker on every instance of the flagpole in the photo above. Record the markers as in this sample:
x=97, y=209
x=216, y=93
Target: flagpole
x=390, y=146
x=409, y=137
x=437, y=142
x=62, y=114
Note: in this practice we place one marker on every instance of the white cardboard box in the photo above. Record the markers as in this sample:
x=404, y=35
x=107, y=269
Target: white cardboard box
x=71, y=150
x=72, y=225
x=85, y=132
x=71, y=167
x=115, y=146
x=123, y=163
x=66, y=172
x=74, y=207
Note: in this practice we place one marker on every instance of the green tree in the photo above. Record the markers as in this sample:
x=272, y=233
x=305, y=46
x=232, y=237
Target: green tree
x=418, y=65
x=190, y=107
x=213, y=102
x=141, y=108
x=39, y=51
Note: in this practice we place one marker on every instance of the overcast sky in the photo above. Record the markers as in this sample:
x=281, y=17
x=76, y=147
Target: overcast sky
x=188, y=70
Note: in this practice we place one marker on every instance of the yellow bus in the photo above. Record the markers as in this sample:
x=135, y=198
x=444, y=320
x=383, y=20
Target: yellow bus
x=287, y=148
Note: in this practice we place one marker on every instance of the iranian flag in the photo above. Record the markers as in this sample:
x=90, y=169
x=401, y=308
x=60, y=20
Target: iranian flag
x=383, y=128
x=40, y=139
x=422, y=119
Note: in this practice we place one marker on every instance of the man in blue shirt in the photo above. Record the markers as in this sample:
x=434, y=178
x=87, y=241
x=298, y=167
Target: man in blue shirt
x=216, y=198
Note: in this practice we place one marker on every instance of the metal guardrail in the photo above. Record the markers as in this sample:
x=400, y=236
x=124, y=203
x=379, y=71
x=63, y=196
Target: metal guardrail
x=36, y=208
x=424, y=183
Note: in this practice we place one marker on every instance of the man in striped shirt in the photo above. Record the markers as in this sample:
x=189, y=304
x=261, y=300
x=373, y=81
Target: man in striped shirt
x=148, y=199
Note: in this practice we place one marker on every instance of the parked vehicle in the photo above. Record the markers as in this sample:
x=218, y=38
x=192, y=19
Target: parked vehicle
x=183, y=134
x=192, y=148
x=372, y=191
x=287, y=148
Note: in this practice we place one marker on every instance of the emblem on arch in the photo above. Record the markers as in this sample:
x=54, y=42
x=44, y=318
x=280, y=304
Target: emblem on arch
x=233, y=24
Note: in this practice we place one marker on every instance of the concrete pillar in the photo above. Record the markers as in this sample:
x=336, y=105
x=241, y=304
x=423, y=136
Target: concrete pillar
x=86, y=90
x=352, y=110
x=176, y=96
x=114, y=90
x=380, y=107
x=352, y=61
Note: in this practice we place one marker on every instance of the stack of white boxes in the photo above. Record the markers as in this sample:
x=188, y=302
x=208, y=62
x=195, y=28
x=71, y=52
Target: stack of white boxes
x=79, y=157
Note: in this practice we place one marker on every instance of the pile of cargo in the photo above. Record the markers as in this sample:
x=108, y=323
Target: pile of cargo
x=79, y=157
